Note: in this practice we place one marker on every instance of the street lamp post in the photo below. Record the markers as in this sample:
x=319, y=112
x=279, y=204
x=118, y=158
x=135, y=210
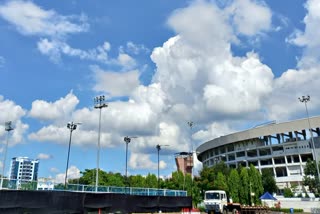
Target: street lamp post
x=305, y=99
x=99, y=103
x=127, y=140
x=8, y=128
x=72, y=126
x=190, y=124
x=158, y=149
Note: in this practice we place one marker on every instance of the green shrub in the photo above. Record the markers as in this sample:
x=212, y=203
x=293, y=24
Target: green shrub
x=287, y=193
x=286, y=210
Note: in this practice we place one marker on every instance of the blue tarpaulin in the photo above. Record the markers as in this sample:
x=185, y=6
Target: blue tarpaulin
x=267, y=196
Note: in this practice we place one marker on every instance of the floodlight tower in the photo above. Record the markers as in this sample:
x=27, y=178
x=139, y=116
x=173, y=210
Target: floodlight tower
x=72, y=126
x=158, y=147
x=305, y=99
x=8, y=128
x=127, y=140
x=99, y=103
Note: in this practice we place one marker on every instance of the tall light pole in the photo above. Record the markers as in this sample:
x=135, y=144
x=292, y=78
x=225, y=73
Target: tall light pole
x=127, y=140
x=72, y=126
x=305, y=99
x=8, y=128
x=99, y=103
x=190, y=124
x=158, y=147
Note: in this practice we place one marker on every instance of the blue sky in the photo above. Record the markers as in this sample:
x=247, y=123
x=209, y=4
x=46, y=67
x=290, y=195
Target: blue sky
x=225, y=65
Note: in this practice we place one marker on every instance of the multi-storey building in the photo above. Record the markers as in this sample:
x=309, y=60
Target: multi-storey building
x=23, y=170
x=282, y=147
x=184, y=162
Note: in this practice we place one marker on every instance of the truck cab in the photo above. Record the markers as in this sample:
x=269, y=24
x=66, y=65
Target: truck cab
x=215, y=201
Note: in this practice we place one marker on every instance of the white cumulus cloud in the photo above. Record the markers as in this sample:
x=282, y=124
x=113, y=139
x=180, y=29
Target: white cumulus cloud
x=31, y=19
x=73, y=173
x=115, y=83
x=59, y=109
x=251, y=17
x=43, y=156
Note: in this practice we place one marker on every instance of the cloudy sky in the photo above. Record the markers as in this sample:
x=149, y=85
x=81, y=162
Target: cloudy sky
x=225, y=65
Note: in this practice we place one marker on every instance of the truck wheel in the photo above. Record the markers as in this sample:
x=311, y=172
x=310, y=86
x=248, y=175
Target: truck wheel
x=225, y=211
x=235, y=211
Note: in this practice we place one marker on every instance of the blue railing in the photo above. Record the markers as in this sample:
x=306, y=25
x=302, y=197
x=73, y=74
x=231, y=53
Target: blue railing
x=124, y=190
x=50, y=186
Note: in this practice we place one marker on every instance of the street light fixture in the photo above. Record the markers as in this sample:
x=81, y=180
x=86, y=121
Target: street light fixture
x=158, y=149
x=305, y=99
x=127, y=140
x=8, y=128
x=72, y=126
x=99, y=103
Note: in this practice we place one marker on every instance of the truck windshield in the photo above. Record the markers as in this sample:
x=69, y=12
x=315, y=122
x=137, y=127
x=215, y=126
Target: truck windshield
x=212, y=195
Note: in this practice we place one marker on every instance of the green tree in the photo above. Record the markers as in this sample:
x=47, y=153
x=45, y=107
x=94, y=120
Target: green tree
x=244, y=186
x=221, y=182
x=287, y=193
x=221, y=167
x=256, y=186
x=151, y=181
x=177, y=181
x=114, y=179
x=311, y=178
x=196, y=193
x=206, y=181
x=268, y=181
x=88, y=177
x=137, y=181
x=234, y=185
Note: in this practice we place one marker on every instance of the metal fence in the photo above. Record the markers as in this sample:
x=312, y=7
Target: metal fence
x=51, y=186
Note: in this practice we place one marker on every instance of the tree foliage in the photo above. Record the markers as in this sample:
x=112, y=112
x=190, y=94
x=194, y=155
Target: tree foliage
x=256, y=187
x=311, y=178
x=234, y=185
x=221, y=182
x=244, y=189
x=268, y=181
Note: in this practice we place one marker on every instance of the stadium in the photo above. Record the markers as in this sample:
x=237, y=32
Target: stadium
x=283, y=147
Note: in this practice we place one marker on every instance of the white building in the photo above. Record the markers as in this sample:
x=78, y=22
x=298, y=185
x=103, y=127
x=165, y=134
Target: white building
x=284, y=148
x=23, y=170
x=45, y=184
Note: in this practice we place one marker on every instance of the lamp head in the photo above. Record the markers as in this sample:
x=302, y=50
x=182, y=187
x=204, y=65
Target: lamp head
x=127, y=139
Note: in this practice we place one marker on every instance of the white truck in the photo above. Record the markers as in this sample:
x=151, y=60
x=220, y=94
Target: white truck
x=216, y=201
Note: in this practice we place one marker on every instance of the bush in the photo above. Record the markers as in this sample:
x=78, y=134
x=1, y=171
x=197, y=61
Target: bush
x=287, y=193
x=286, y=210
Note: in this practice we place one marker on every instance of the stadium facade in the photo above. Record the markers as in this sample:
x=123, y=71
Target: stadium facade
x=283, y=147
